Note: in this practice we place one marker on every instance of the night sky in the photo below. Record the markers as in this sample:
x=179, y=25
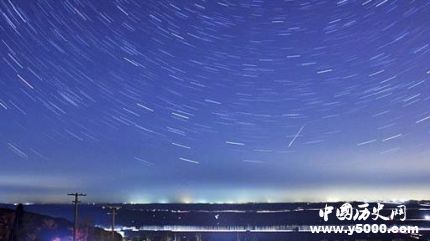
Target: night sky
x=214, y=101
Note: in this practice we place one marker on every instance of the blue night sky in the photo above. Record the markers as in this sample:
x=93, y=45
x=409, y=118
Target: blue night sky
x=214, y=101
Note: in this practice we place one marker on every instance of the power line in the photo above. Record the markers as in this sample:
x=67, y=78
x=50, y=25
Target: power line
x=75, y=220
x=113, y=212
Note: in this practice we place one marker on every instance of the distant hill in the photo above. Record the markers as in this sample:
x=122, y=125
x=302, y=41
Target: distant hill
x=36, y=227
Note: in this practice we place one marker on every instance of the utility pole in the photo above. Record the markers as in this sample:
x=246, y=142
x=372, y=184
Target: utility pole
x=75, y=220
x=114, y=210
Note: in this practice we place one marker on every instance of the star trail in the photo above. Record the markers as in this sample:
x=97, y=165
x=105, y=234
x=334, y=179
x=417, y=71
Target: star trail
x=214, y=101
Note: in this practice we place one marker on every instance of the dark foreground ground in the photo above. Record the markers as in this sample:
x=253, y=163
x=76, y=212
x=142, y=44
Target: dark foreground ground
x=204, y=221
x=20, y=225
